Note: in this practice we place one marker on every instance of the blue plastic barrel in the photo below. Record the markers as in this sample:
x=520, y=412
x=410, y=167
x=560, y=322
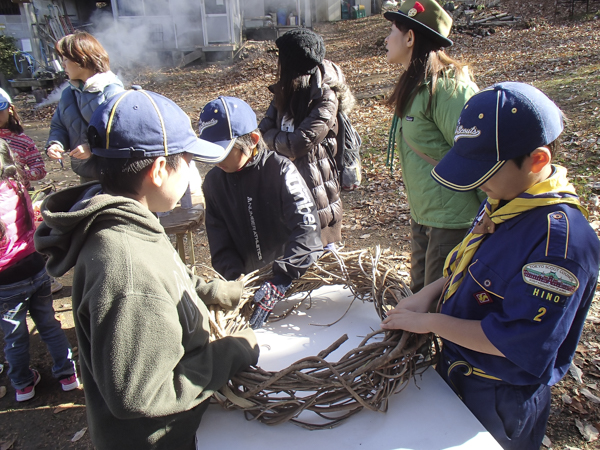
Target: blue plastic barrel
x=281, y=16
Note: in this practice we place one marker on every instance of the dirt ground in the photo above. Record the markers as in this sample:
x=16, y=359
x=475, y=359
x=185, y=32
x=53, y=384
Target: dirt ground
x=375, y=214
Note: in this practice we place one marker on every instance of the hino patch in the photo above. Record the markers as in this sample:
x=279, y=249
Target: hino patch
x=550, y=278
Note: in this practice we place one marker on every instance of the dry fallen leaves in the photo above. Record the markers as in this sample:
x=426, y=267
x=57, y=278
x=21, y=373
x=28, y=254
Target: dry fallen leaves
x=587, y=430
x=576, y=372
x=578, y=407
x=586, y=393
x=546, y=442
x=79, y=434
x=7, y=443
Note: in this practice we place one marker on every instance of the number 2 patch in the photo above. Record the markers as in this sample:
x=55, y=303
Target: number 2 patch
x=540, y=314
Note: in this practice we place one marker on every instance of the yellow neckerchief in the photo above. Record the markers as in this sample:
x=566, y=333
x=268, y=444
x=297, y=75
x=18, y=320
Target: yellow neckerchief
x=555, y=189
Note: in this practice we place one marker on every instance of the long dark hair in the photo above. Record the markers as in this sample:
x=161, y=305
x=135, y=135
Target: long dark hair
x=292, y=94
x=428, y=60
x=14, y=120
x=10, y=173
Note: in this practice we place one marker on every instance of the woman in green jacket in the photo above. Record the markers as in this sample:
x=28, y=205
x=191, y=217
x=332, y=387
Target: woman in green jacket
x=427, y=101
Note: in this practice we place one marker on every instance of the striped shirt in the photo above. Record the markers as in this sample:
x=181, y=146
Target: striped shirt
x=27, y=156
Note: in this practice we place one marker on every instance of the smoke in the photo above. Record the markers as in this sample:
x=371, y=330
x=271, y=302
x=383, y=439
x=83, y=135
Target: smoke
x=54, y=96
x=126, y=43
x=146, y=37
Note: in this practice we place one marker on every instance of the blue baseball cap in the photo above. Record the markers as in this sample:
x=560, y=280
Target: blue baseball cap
x=141, y=124
x=499, y=123
x=4, y=101
x=225, y=119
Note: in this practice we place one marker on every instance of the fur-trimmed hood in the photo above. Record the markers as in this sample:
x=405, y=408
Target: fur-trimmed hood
x=333, y=76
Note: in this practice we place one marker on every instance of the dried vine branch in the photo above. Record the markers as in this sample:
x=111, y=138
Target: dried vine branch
x=365, y=377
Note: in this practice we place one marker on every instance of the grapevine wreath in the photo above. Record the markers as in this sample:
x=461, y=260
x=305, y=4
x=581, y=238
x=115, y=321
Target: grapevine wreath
x=365, y=377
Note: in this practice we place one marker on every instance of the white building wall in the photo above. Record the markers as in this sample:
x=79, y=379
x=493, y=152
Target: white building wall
x=328, y=10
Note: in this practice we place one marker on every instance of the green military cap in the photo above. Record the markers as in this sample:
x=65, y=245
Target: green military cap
x=425, y=16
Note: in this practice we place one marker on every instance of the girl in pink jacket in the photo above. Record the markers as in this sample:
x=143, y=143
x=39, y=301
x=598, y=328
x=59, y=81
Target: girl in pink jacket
x=25, y=287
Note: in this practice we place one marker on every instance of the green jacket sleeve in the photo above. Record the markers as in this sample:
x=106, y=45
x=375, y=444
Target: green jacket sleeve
x=226, y=294
x=146, y=363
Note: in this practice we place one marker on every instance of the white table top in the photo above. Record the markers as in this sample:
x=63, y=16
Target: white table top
x=426, y=415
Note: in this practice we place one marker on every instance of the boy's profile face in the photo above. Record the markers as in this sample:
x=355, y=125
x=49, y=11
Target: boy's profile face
x=173, y=186
x=235, y=161
x=509, y=181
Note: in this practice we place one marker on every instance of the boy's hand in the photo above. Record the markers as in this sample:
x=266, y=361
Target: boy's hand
x=404, y=319
x=425, y=300
x=265, y=298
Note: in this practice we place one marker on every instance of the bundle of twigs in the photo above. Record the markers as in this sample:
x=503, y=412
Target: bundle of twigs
x=365, y=377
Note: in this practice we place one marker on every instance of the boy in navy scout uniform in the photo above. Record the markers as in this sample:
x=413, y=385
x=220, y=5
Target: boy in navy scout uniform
x=517, y=289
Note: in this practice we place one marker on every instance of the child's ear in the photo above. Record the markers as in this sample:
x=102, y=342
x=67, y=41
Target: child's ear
x=158, y=171
x=540, y=158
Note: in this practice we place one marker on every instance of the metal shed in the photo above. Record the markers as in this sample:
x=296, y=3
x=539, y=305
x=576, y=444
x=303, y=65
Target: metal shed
x=37, y=24
x=186, y=29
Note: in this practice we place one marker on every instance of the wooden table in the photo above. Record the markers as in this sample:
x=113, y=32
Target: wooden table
x=180, y=222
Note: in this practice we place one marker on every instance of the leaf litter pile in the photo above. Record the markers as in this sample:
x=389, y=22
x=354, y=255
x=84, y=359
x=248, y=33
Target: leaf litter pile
x=556, y=54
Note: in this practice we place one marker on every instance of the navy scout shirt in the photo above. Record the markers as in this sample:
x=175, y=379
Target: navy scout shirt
x=531, y=284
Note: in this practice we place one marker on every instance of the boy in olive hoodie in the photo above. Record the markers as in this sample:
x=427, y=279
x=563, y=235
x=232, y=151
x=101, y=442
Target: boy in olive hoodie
x=146, y=361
